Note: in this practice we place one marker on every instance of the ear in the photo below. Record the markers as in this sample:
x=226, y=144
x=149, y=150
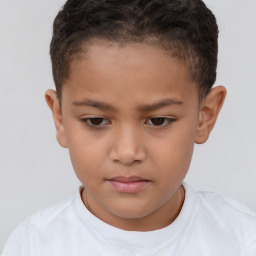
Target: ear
x=53, y=103
x=209, y=111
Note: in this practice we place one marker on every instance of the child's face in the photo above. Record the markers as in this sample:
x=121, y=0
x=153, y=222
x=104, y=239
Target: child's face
x=130, y=118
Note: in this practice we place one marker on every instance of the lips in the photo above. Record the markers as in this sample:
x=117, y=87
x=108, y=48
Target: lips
x=128, y=185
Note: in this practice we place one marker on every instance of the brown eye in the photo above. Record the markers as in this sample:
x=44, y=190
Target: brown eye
x=158, y=121
x=95, y=121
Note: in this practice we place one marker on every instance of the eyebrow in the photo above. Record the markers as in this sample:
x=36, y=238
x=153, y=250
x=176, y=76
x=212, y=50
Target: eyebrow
x=142, y=108
x=94, y=104
x=159, y=104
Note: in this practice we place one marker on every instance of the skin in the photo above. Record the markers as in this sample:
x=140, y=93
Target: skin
x=129, y=141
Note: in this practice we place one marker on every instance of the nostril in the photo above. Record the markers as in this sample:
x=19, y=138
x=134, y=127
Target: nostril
x=127, y=156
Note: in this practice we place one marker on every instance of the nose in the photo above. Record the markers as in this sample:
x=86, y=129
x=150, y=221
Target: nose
x=127, y=147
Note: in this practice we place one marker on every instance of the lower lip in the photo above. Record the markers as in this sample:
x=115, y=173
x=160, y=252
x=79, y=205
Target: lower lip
x=128, y=187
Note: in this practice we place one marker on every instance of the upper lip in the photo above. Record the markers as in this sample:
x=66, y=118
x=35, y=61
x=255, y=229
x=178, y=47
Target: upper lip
x=127, y=179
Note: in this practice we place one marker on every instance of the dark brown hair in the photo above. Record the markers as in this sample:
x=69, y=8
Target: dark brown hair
x=186, y=29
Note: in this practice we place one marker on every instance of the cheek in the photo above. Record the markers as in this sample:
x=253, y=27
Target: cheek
x=174, y=152
x=86, y=164
x=87, y=153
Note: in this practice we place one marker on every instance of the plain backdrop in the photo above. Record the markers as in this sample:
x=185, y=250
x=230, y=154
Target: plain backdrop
x=35, y=172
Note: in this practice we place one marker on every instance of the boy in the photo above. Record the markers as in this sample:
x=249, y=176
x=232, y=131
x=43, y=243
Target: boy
x=133, y=94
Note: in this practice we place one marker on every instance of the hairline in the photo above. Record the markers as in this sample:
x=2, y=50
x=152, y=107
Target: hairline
x=170, y=48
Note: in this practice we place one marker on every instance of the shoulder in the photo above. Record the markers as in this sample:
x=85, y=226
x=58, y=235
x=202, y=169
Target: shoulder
x=218, y=205
x=220, y=221
x=225, y=216
x=221, y=206
x=21, y=239
x=48, y=216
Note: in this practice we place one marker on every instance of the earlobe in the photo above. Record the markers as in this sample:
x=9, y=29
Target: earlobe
x=53, y=103
x=209, y=112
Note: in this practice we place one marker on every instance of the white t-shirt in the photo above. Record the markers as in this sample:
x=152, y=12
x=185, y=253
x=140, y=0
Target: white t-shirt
x=207, y=225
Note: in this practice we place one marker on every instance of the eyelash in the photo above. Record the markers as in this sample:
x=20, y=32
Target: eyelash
x=87, y=122
x=92, y=126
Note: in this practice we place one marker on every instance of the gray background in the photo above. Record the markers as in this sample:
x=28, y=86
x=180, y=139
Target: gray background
x=35, y=172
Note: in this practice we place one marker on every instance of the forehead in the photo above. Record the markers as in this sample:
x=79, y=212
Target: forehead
x=132, y=71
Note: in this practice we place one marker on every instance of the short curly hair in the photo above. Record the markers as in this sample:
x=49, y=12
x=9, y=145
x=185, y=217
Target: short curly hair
x=187, y=29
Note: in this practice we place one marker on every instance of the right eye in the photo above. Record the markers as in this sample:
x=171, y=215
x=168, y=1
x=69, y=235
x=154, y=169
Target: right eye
x=161, y=121
x=96, y=122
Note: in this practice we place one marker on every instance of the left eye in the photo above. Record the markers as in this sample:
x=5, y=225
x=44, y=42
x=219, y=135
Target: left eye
x=160, y=121
x=96, y=121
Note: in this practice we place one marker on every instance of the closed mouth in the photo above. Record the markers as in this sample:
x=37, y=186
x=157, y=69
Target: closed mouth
x=132, y=184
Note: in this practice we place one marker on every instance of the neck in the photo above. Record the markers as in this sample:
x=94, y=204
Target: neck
x=160, y=218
